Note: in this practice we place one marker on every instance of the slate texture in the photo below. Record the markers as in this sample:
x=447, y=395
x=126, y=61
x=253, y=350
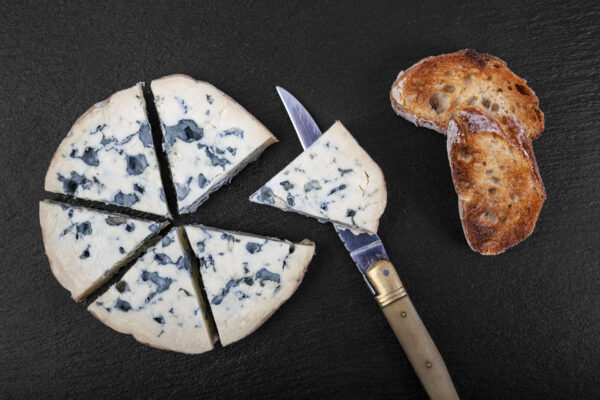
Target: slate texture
x=524, y=324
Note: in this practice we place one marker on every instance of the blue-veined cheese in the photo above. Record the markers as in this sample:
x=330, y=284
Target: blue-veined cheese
x=108, y=156
x=158, y=300
x=246, y=277
x=85, y=247
x=333, y=180
x=208, y=137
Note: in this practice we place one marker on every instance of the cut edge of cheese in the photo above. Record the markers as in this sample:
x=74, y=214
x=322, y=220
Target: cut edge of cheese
x=260, y=133
x=304, y=250
x=226, y=179
x=158, y=205
x=141, y=335
x=197, y=283
x=61, y=270
x=374, y=179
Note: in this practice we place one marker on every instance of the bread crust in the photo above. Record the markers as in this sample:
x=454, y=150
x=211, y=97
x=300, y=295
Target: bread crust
x=432, y=90
x=497, y=180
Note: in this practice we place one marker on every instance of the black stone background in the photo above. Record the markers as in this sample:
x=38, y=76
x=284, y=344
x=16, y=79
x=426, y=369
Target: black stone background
x=524, y=324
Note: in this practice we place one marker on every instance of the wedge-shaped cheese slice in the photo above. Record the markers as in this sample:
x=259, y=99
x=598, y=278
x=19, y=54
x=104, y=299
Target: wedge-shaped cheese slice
x=333, y=180
x=208, y=137
x=108, y=156
x=246, y=277
x=86, y=247
x=158, y=300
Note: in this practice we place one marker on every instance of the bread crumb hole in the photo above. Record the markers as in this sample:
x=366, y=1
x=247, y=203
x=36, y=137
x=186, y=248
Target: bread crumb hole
x=496, y=180
x=489, y=172
x=464, y=154
x=492, y=191
x=439, y=102
x=448, y=73
x=486, y=102
x=490, y=217
x=448, y=89
x=523, y=89
x=495, y=107
x=502, y=168
x=513, y=197
x=471, y=100
x=468, y=79
x=484, y=163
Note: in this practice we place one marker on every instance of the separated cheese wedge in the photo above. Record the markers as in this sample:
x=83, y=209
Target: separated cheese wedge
x=500, y=191
x=333, y=180
x=86, y=247
x=208, y=137
x=108, y=156
x=158, y=300
x=246, y=277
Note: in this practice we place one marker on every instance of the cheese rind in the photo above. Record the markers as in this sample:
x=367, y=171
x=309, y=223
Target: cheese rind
x=158, y=300
x=246, y=277
x=108, y=156
x=208, y=137
x=333, y=180
x=85, y=247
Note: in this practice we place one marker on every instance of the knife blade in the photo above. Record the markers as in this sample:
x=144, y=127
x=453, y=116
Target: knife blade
x=365, y=249
x=382, y=279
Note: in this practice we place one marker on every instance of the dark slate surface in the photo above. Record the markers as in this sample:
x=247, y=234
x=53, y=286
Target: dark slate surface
x=524, y=324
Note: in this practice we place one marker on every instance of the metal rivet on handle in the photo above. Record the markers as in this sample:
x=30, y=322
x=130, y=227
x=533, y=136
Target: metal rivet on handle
x=403, y=314
x=428, y=364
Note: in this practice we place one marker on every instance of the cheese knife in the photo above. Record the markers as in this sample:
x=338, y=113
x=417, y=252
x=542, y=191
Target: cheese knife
x=381, y=277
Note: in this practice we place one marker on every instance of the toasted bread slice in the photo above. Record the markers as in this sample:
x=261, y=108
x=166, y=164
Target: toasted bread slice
x=429, y=92
x=495, y=175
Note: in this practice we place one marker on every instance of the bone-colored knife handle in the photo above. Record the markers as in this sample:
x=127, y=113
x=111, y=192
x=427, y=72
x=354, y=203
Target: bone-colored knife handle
x=410, y=331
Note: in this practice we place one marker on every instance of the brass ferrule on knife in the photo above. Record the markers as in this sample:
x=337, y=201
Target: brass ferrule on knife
x=386, y=282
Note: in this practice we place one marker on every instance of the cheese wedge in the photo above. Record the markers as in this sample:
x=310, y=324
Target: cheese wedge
x=108, y=156
x=158, y=300
x=86, y=247
x=246, y=277
x=208, y=137
x=333, y=180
